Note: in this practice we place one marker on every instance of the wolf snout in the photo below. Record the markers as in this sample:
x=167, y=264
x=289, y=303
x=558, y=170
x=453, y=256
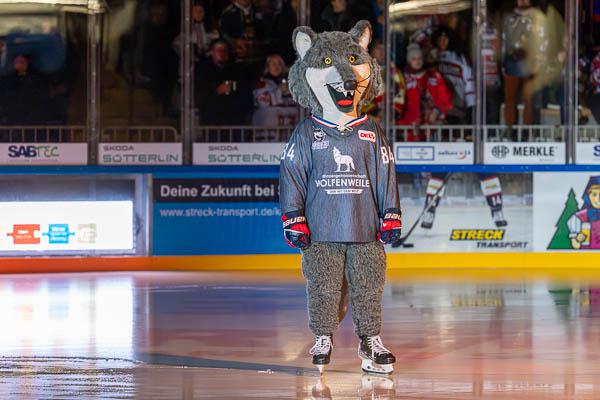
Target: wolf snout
x=350, y=84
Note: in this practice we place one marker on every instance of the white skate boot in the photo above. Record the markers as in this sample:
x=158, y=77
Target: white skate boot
x=375, y=357
x=499, y=220
x=321, y=352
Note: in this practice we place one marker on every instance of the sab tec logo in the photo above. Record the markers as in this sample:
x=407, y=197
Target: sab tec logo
x=597, y=150
x=367, y=135
x=32, y=151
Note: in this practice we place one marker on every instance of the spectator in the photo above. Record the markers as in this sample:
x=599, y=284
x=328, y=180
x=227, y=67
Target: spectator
x=490, y=54
x=248, y=64
x=273, y=101
x=202, y=32
x=159, y=63
x=427, y=99
x=264, y=15
x=237, y=20
x=3, y=53
x=457, y=72
x=523, y=48
x=223, y=95
x=337, y=16
x=283, y=25
x=378, y=22
x=592, y=89
x=375, y=107
x=23, y=94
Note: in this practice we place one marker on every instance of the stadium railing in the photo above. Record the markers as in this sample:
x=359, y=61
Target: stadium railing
x=588, y=133
x=43, y=134
x=434, y=133
x=246, y=134
x=524, y=133
x=145, y=134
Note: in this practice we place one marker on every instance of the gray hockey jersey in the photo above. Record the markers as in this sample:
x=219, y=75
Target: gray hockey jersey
x=342, y=181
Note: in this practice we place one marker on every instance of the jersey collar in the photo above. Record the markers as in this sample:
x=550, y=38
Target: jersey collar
x=344, y=128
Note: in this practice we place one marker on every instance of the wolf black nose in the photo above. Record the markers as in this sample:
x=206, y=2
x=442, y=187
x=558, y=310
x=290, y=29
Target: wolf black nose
x=350, y=84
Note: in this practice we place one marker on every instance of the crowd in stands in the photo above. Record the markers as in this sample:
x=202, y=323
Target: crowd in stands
x=31, y=97
x=523, y=51
x=242, y=51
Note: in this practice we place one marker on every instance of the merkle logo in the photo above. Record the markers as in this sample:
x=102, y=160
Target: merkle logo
x=500, y=151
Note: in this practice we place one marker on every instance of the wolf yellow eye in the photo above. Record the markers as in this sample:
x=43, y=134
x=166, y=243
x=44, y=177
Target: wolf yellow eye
x=327, y=61
x=352, y=59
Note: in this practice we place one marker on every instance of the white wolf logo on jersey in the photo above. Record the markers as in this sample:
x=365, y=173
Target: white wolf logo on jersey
x=341, y=159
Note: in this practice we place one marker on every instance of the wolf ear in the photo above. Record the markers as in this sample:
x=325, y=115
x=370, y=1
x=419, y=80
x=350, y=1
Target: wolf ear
x=362, y=33
x=303, y=38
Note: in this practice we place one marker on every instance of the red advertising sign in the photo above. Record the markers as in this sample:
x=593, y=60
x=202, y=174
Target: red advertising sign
x=25, y=234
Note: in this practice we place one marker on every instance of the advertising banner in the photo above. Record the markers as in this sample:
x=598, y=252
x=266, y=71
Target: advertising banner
x=140, y=154
x=466, y=212
x=524, y=153
x=433, y=153
x=566, y=213
x=66, y=226
x=43, y=154
x=588, y=153
x=237, y=153
x=238, y=215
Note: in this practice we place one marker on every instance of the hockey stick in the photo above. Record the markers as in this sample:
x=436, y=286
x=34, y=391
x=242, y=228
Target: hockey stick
x=402, y=241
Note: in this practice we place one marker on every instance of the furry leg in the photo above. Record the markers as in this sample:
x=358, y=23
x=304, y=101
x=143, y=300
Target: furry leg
x=365, y=271
x=323, y=268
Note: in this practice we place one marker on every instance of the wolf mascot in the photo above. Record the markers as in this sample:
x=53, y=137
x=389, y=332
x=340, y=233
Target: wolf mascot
x=339, y=196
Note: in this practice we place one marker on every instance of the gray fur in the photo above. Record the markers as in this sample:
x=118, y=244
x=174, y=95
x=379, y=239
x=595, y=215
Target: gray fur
x=337, y=46
x=324, y=266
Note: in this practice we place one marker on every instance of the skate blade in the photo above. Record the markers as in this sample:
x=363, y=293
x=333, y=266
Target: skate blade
x=370, y=367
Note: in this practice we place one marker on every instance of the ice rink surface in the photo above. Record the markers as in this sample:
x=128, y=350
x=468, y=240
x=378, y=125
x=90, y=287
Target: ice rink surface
x=244, y=335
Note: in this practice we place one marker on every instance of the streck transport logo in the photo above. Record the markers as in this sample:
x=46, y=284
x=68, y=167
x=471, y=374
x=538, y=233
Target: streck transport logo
x=579, y=227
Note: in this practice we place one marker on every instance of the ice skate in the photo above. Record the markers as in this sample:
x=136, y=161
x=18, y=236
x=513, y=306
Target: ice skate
x=376, y=387
x=375, y=357
x=499, y=220
x=428, y=218
x=321, y=352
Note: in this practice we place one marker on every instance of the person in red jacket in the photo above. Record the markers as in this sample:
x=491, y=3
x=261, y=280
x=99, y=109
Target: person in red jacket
x=427, y=98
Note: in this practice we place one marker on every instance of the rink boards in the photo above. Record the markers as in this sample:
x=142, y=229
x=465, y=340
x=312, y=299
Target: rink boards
x=229, y=217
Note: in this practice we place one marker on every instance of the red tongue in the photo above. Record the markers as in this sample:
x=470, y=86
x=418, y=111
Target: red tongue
x=345, y=103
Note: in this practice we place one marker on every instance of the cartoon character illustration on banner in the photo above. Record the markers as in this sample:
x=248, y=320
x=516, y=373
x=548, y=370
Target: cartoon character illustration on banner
x=584, y=225
x=338, y=191
x=579, y=228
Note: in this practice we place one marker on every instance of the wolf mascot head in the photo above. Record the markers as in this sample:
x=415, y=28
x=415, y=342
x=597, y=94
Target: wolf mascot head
x=334, y=74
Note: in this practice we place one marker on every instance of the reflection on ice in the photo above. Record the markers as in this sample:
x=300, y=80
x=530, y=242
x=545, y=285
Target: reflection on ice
x=75, y=317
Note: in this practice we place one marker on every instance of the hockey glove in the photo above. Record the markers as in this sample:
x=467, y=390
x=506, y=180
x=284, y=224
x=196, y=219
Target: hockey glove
x=295, y=230
x=391, y=228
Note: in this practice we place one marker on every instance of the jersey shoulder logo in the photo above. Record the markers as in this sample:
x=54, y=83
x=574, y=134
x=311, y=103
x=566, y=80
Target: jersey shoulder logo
x=318, y=134
x=367, y=135
x=341, y=160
